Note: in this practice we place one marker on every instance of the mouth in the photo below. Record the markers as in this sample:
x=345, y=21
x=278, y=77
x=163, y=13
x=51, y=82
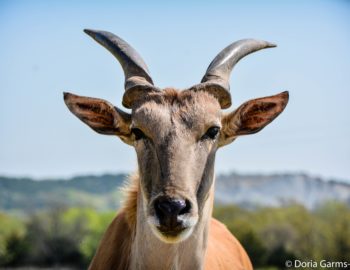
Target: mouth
x=171, y=232
x=172, y=235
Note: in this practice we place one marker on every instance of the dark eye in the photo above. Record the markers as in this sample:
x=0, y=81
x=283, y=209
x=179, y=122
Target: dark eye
x=211, y=133
x=138, y=134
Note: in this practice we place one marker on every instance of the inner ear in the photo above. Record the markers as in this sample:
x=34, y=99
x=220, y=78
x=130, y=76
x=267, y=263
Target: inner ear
x=252, y=116
x=100, y=115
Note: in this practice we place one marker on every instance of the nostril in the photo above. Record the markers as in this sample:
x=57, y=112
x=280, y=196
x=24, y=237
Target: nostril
x=186, y=209
x=173, y=207
x=164, y=207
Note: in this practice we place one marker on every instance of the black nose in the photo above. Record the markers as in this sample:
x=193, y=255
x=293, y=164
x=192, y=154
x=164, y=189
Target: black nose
x=168, y=209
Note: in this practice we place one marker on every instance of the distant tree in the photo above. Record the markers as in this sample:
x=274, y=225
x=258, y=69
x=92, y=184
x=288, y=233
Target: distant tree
x=12, y=244
x=15, y=250
x=92, y=224
x=279, y=240
x=336, y=219
x=51, y=241
x=254, y=247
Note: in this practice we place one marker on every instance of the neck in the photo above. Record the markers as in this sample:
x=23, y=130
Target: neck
x=148, y=252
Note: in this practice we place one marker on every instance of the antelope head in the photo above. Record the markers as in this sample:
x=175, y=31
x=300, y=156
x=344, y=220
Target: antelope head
x=176, y=133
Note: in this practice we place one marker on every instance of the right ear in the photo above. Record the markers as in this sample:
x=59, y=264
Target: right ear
x=252, y=116
x=100, y=115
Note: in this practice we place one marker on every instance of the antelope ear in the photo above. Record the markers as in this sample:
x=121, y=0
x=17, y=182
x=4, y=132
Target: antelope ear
x=252, y=116
x=100, y=115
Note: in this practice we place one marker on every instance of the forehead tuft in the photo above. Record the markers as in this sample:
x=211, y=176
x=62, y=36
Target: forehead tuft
x=169, y=105
x=190, y=97
x=174, y=97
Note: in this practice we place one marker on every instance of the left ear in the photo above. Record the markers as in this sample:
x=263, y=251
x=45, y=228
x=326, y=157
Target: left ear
x=100, y=115
x=252, y=116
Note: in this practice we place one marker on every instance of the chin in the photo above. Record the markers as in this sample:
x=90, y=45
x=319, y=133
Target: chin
x=172, y=237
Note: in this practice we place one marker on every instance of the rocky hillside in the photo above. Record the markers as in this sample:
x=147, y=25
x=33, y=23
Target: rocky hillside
x=278, y=190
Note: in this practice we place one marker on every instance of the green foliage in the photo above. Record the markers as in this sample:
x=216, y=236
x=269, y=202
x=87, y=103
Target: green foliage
x=92, y=226
x=56, y=237
x=273, y=235
x=12, y=231
x=70, y=236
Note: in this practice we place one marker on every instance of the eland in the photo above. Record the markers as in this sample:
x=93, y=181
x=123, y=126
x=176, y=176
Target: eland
x=166, y=219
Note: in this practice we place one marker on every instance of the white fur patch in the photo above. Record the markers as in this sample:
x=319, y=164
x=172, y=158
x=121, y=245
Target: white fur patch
x=189, y=223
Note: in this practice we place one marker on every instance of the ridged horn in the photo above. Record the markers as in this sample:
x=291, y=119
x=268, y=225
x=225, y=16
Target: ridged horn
x=137, y=78
x=216, y=78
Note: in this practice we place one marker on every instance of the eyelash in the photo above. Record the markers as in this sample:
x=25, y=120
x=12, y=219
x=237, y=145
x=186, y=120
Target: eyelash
x=211, y=133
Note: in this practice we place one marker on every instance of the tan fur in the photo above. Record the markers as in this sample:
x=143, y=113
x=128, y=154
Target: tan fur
x=175, y=160
x=129, y=206
x=223, y=251
x=114, y=250
x=166, y=219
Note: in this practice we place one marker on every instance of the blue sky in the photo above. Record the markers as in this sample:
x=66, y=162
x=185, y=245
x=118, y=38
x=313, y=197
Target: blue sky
x=44, y=52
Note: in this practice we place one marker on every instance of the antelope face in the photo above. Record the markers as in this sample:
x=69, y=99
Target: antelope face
x=176, y=134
